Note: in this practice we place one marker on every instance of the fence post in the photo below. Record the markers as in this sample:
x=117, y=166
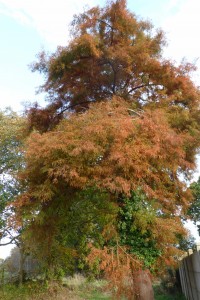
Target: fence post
x=190, y=251
x=198, y=246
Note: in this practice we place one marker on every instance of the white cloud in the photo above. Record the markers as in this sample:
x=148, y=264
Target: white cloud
x=49, y=18
x=182, y=29
x=16, y=15
x=179, y=18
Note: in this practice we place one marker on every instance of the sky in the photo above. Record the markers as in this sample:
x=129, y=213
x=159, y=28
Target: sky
x=27, y=27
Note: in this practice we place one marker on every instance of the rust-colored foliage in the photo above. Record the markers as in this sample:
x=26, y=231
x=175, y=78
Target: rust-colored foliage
x=122, y=271
x=116, y=149
x=130, y=120
x=112, y=148
x=112, y=53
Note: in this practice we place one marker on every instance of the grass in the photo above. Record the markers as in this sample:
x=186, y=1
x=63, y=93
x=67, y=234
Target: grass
x=77, y=288
x=90, y=290
x=170, y=297
x=13, y=292
x=72, y=288
x=161, y=294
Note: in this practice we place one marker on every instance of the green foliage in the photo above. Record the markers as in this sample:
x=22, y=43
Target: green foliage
x=80, y=218
x=136, y=219
x=12, y=134
x=89, y=213
x=194, y=210
x=12, y=131
x=186, y=243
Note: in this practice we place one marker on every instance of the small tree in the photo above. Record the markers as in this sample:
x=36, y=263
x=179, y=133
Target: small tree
x=194, y=210
x=12, y=134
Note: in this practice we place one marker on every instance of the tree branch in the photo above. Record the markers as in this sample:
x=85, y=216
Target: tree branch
x=72, y=106
x=101, y=21
x=10, y=242
x=140, y=86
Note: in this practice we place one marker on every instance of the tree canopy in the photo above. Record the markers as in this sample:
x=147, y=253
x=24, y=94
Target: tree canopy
x=113, y=52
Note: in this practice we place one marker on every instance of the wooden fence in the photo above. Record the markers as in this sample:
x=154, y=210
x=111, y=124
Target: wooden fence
x=189, y=270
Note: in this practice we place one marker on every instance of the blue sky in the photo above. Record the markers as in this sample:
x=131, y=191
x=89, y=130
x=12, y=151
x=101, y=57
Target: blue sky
x=27, y=27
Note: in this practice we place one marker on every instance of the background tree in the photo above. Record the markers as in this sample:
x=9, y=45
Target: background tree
x=186, y=243
x=194, y=210
x=12, y=135
x=12, y=132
